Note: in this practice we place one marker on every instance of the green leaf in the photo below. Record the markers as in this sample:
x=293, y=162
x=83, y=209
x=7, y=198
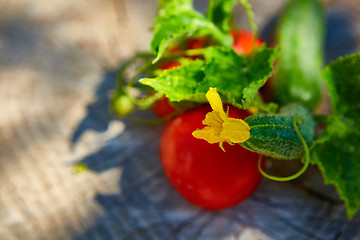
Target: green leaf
x=180, y=83
x=236, y=77
x=337, y=150
x=343, y=80
x=175, y=3
x=175, y=22
x=220, y=13
x=300, y=35
x=251, y=16
x=338, y=159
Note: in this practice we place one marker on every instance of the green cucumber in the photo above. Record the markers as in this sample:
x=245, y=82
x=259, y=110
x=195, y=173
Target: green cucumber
x=274, y=134
x=300, y=35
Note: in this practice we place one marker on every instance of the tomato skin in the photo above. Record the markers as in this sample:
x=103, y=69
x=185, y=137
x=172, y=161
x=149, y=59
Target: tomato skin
x=162, y=107
x=169, y=65
x=195, y=43
x=201, y=172
x=244, y=41
x=267, y=91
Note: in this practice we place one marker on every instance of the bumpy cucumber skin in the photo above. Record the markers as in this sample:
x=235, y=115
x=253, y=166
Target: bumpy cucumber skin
x=300, y=36
x=275, y=136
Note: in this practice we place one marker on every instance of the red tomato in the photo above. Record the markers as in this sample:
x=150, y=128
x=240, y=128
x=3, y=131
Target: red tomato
x=162, y=107
x=201, y=172
x=195, y=43
x=169, y=65
x=175, y=48
x=267, y=91
x=244, y=41
x=191, y=43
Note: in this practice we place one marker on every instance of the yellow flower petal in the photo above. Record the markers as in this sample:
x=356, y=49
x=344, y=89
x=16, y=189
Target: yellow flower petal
x=209, y=134
x=213, y=119
x=235, y=130
x=215, y=102
x=219, y=127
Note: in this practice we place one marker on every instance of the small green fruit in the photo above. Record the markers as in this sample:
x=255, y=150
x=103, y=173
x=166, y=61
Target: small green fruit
x=123, y=105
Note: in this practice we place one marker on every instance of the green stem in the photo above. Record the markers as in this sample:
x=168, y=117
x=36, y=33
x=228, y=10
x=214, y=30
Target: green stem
x=297, y=121
x=124, y=88
x=180, y=54
x=147, y=102
x=140, y=71
x=126, y=65
x=251, y=17
x=189, y=52
x=322, y=118
x=209, y=14
x=155, y=121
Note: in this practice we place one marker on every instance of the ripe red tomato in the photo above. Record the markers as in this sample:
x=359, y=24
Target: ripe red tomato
x=169, y=65
x=244, y=41
x=162, y=107
x=190, y=43
x=195, y=43
x=267, y=91
x=201, y=172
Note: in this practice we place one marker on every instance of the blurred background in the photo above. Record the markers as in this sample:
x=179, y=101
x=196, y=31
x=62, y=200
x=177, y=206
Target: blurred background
x=58, y=62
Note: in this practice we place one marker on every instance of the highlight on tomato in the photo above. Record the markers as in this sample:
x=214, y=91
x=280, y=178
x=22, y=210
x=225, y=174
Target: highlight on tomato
x=244, y=41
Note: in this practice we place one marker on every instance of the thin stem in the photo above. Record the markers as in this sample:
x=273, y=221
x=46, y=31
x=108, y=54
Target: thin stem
x=188, y=52
x=322, y=118
x=126, y=65
x=296, y=121
x=209, y=13
x=155, y=121
x=251, y=18
x=147, y=102
x=183, y=53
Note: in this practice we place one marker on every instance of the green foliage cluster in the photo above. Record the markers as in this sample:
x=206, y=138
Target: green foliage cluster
x=238, y=77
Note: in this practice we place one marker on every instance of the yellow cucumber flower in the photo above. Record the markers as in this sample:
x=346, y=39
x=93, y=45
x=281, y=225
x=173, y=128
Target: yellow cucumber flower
x=220, y=127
